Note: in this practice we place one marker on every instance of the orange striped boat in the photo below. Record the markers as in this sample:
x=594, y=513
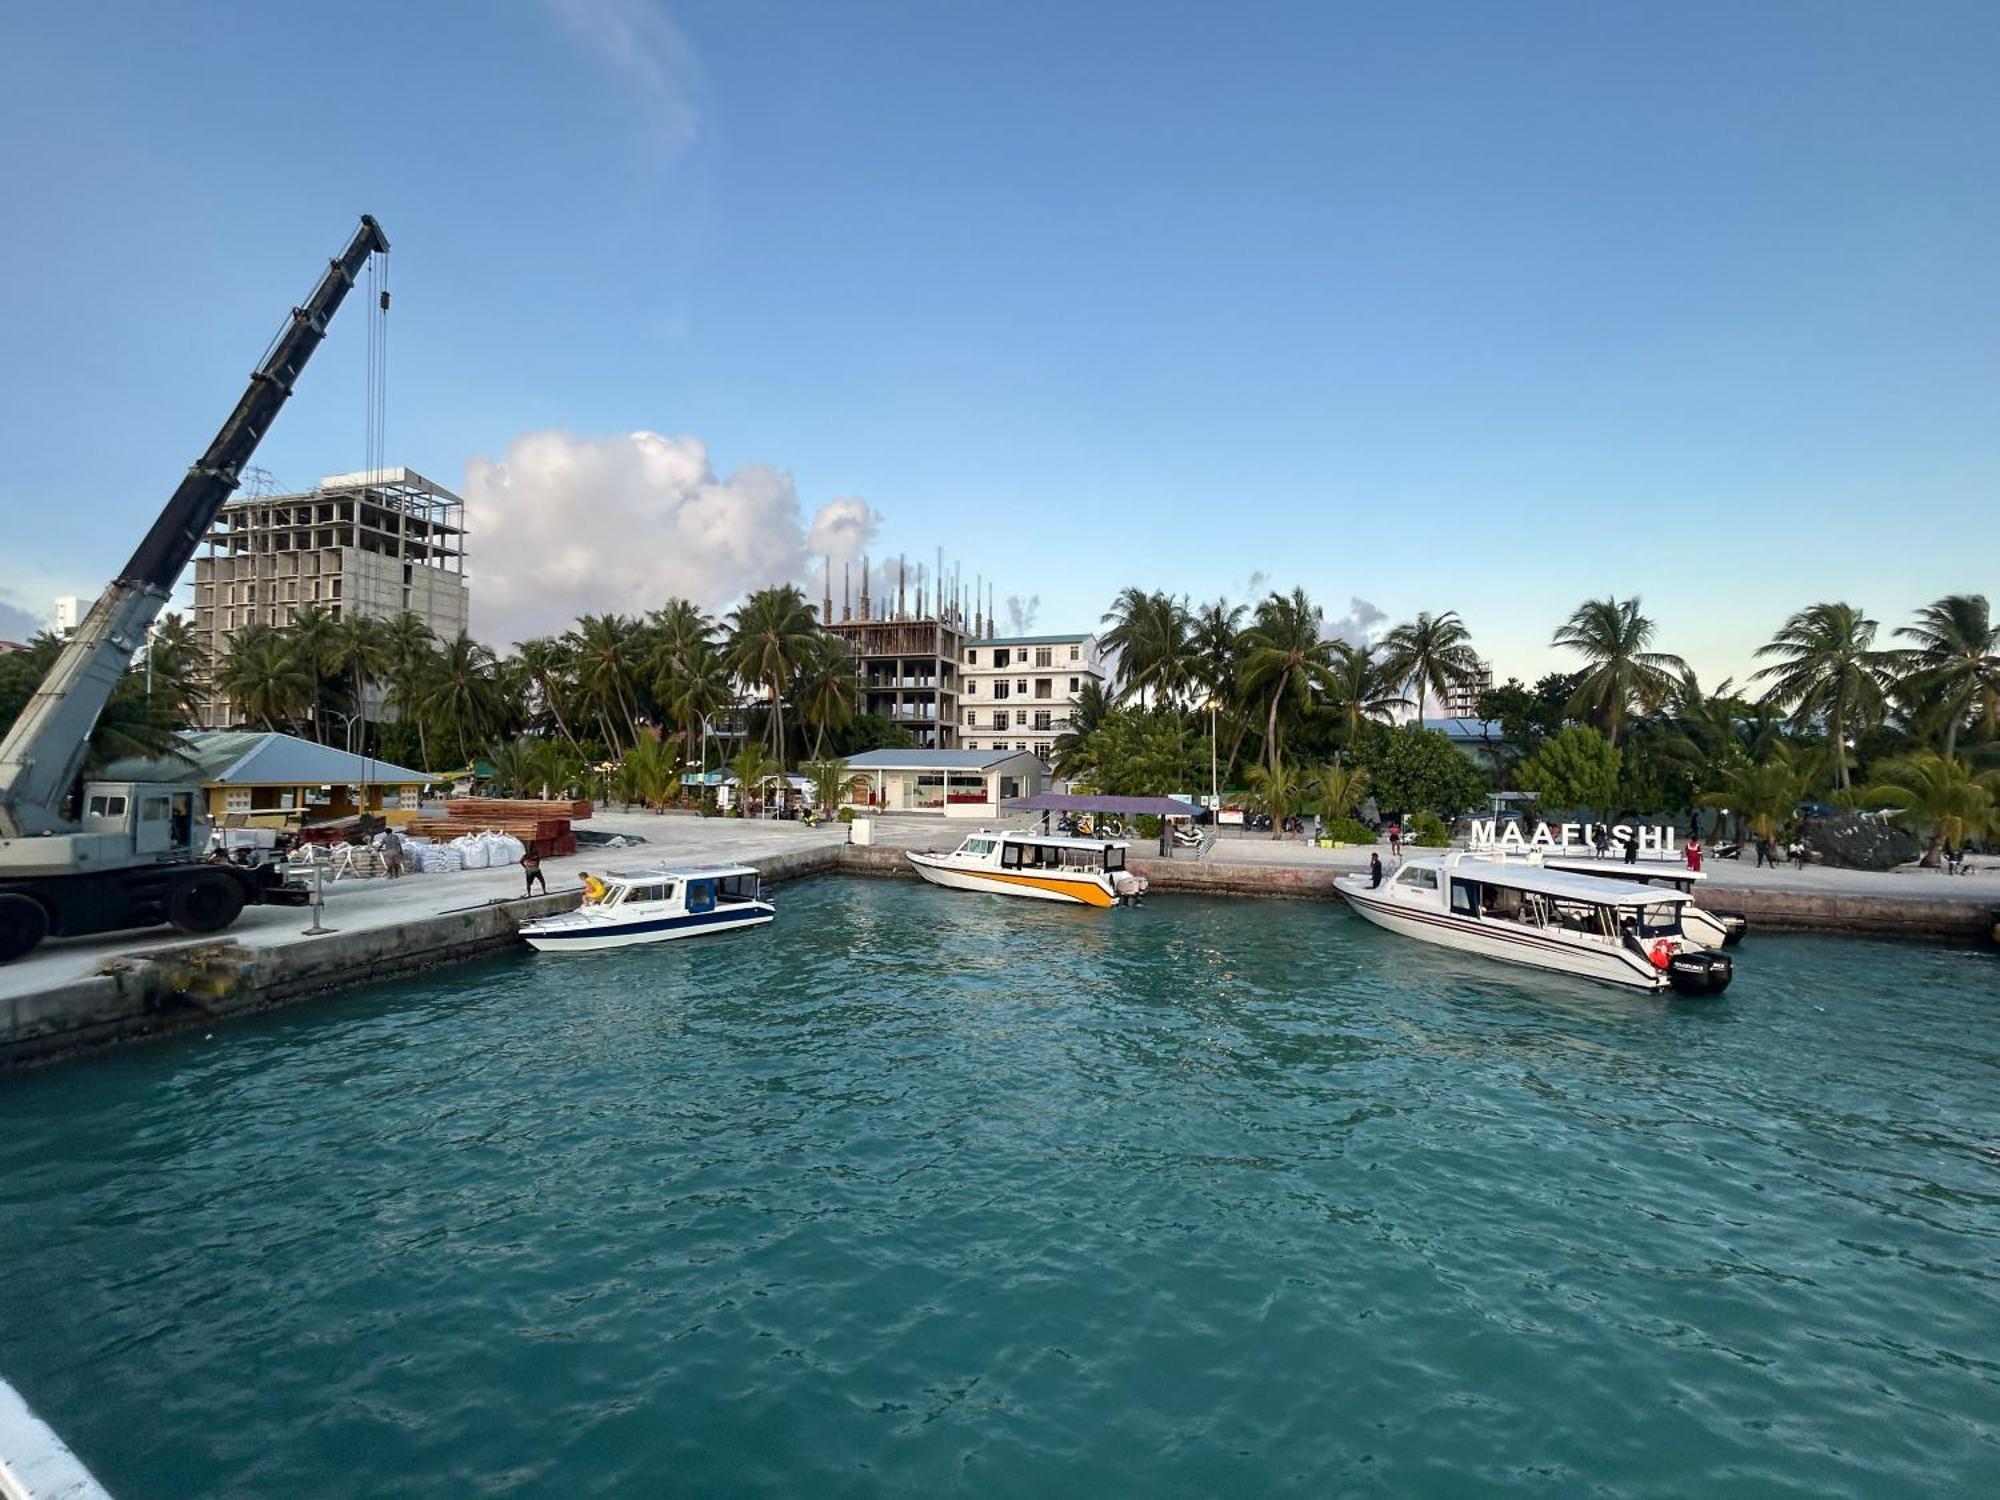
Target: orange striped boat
x=1044, y=867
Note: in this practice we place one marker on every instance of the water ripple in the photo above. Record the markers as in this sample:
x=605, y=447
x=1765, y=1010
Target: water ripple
x=917, y=1194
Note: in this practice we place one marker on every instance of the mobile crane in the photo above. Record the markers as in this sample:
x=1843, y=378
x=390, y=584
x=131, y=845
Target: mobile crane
x=132, y=859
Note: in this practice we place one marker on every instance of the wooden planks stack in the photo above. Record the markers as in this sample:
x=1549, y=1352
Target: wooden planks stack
x=544, y=826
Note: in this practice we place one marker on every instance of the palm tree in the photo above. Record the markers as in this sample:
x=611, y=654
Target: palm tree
x=606, y=654
x=833, y=783
x=751, y=768
x=655, y=768
x=769, y=636
x=1762, y=792
x=175, y=663
x=1216, y=644
x=360, y=650
x=264, y=677
x=1432, y=653
x=1340, y=790
x=1068, y=757
x=828, y=688
x=411, y=648
x=1285, y=659
x=1149, y=634
x=1943, y=796
x=546, y=669
x=1613, y=636
x=1827, y=670
x=313, y=636
x=461, y=694
x=697, y=688
x=1362, y=690
x=1956, y=660
x=1280, y=790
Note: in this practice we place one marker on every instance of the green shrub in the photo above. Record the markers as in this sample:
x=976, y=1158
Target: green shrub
x=1149, y=826
x=846, y=815
x=1347, y=831
x=1426, y=831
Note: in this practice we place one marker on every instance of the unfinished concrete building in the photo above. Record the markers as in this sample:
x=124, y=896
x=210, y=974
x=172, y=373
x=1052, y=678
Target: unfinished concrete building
x=378, y=543
x=911, y=659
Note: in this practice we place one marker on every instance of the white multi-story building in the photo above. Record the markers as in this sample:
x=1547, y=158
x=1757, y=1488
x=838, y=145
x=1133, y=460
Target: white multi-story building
x=1462, y=702
x=69, y=614
x=1018, y=693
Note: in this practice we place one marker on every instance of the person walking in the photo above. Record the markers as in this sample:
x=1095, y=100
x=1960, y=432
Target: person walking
x=390, y=846
x=1600, y=838
x=1631, y=846
x=531, y=868
x=1374, y=869
x=1395, y=839
x=1693, y=852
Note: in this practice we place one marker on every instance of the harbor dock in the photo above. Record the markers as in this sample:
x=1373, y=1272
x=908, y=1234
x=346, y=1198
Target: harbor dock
x=76, y=995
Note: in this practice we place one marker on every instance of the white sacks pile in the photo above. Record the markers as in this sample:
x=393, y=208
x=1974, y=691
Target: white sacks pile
x=480, y=851
x=439, y=859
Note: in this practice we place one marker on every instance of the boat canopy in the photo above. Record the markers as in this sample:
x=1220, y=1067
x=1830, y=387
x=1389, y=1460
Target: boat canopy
x=1125, y=807
x=1544, y=881
x=680, y=872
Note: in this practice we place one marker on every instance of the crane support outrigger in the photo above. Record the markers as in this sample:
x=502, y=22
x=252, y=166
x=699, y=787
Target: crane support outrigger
x=131, y=860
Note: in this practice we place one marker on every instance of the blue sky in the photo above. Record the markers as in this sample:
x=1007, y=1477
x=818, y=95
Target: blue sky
x=1479, y=306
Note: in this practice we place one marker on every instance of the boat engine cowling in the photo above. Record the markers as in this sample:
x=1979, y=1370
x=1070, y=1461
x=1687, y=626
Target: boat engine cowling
x=1129, y=887
x=1734, y=925
x=1700, y=971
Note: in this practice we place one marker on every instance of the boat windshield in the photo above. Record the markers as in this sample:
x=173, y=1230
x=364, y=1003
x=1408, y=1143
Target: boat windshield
x=1660, y=920
x=977, y=845
x=643, y=890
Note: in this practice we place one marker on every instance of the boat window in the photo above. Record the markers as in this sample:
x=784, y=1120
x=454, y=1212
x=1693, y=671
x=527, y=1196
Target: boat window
x=1465, y=898
x=1114, y=857
x=1502, y=902
x=1010, y=856
x=1423, y=879
x=976, y=846
x=1660, y=920
x=649, y=893
x=701, y=895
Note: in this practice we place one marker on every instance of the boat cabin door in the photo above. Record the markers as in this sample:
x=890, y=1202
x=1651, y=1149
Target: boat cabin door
x=701, y=895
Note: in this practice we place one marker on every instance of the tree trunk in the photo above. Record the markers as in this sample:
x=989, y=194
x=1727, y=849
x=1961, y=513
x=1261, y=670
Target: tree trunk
x=1271, y=729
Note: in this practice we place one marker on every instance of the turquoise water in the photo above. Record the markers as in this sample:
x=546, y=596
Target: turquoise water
x=920, y=1193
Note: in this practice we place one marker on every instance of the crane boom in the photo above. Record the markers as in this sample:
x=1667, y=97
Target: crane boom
x=45, y=749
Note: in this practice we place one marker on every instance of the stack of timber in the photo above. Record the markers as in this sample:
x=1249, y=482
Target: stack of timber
x=544, y=826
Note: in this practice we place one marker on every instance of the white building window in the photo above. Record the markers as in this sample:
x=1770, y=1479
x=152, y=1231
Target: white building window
x=236, y=799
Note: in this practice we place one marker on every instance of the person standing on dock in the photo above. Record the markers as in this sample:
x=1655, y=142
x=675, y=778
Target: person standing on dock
x=531, y=867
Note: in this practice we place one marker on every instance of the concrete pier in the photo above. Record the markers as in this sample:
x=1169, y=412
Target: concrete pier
x=72, y=996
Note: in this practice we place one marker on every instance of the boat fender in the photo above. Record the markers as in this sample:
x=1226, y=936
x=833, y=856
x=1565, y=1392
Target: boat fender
x=1662, y=954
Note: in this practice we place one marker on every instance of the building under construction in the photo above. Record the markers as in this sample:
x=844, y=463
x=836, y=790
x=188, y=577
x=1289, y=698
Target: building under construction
x=378, y=543
x=911, y=648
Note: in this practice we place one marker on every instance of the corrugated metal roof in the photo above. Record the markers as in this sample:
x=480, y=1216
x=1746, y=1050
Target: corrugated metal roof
x=933, y=760
x=242, y=758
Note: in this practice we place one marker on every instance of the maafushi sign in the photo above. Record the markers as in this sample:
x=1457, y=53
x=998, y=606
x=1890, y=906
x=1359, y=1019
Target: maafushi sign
x=1487, y=834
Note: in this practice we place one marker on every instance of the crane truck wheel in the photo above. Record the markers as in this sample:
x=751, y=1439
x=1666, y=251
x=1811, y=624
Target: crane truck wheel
x=207, y=902
x=24, y=922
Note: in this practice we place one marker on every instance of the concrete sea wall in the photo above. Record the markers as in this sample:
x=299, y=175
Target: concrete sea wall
x=198, y=983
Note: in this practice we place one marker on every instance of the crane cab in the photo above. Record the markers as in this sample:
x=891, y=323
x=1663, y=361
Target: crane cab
x=158, y=820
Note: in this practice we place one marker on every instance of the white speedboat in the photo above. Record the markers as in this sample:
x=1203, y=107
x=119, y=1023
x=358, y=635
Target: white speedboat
x=1548, y=919
x=1043, y=866
x=1707, y=926
x=657, y=906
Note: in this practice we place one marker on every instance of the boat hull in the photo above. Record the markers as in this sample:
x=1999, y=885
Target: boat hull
x=1079, y=890
x=568, y=935
x=1528, y=948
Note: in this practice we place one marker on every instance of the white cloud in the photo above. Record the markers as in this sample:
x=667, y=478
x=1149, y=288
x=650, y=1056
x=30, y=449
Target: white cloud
x=1357, y=625
x=644, y=55
x=566, y=525
x=17, y=622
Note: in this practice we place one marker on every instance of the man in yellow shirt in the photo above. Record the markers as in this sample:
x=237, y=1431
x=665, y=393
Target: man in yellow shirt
x=593, y=889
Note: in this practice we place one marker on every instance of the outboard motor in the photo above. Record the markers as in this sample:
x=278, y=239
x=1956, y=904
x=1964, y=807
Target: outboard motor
x=1130, y=887
x=1734, y=925
x=1700, y=971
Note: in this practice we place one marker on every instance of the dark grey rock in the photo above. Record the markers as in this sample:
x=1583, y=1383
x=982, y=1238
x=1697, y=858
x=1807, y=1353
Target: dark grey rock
x=1852, y=843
